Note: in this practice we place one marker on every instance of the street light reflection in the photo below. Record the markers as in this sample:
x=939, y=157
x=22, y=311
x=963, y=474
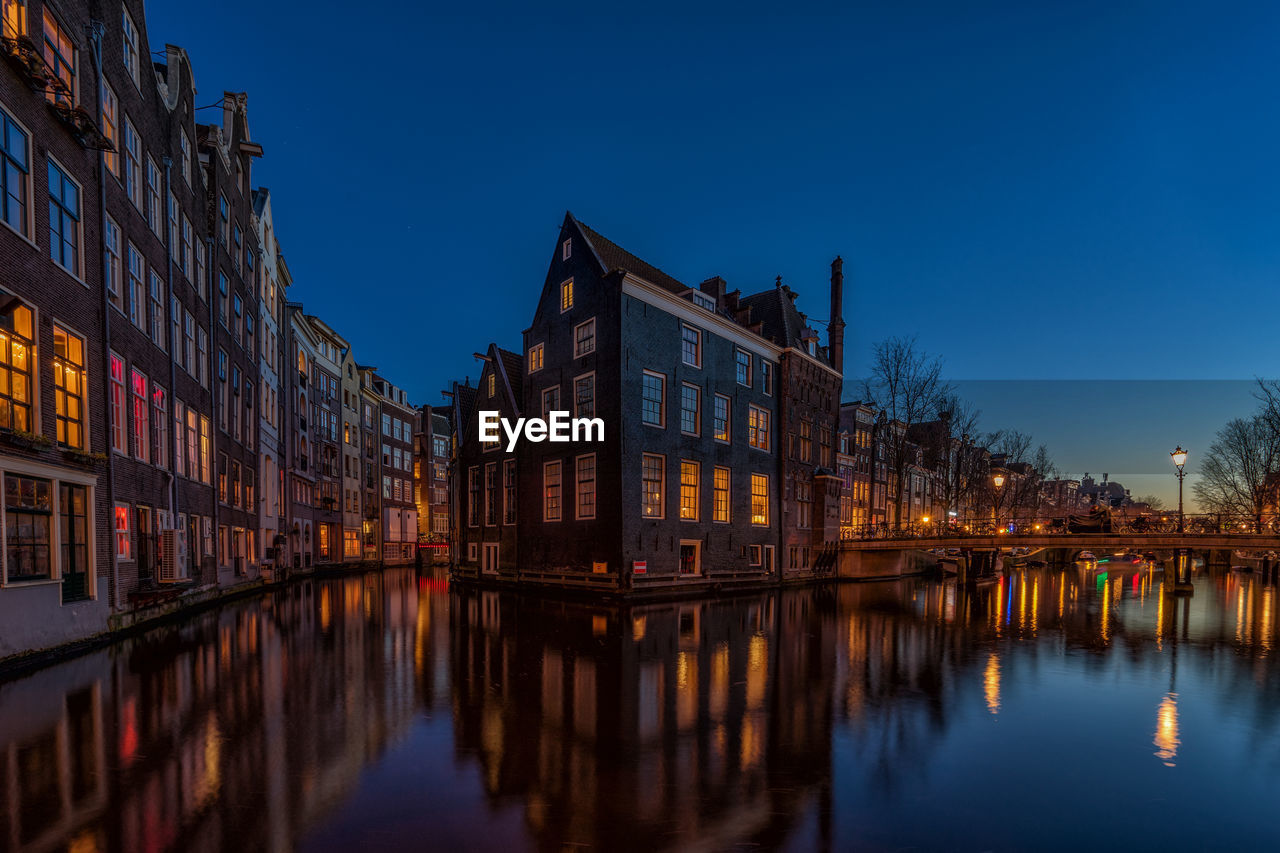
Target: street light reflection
x=1166, y=739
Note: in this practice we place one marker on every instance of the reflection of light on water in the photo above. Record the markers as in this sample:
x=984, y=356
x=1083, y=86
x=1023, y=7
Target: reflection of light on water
x=1167, y=729
x=757, y=670
x=991, y=684
x=1267, y=616
x=637, y=628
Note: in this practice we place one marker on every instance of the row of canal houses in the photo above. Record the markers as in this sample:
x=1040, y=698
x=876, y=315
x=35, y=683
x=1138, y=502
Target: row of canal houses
x=173, y=423
x=717, y=466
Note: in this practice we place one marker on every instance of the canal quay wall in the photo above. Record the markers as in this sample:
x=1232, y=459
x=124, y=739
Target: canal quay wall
x=45, y=641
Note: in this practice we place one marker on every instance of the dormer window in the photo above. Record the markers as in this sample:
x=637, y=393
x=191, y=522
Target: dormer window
x=704, y=301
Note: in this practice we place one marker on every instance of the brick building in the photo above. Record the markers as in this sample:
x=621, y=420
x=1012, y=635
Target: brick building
x=431, y=479
x=390, y=514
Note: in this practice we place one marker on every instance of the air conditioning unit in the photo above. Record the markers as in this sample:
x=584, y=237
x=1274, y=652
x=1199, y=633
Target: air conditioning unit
x=173, y=555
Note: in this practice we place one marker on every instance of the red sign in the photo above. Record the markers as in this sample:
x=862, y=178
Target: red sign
x=640, y=567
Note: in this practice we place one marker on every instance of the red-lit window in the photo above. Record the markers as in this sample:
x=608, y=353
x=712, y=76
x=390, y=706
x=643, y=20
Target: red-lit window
x=124, y=539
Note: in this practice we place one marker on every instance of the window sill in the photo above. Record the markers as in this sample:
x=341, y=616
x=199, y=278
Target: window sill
x=21, y=236
x=70, y=274
x=26, y=584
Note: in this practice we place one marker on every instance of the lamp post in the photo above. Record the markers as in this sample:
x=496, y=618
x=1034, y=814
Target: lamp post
x=997, y=480
x=1179, y=457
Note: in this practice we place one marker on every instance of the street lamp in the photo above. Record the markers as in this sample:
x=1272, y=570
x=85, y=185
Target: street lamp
x=997, y=479
x=1179, y=459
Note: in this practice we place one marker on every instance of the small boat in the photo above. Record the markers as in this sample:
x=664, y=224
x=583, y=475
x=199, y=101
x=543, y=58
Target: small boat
x=1086, y=557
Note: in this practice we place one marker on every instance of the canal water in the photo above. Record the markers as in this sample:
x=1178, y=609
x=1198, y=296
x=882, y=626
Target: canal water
x=387, y=711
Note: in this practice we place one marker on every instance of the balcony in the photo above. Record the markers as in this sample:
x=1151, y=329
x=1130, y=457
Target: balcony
x=25, y=57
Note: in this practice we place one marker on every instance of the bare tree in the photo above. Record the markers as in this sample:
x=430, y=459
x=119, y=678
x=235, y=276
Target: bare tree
x=950, y=453
x=907, y=386
x=1027, y=467
x=1235, y=476
x=1152, y=501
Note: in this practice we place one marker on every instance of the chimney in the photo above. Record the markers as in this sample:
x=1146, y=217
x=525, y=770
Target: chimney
x=715, y=287
x=835, y=326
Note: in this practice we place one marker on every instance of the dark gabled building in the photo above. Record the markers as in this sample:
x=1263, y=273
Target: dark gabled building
x=809, y=387
x=487, y=472
x=683, y=489
x=432, y=438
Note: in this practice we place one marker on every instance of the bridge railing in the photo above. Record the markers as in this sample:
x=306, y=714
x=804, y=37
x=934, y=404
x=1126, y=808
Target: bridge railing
x=1074, y=526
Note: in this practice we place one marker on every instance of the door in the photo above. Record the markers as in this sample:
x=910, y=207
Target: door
x=489, y=558
x=690, y=557
x=73, y=517
x=146, y=545
x=768, y=559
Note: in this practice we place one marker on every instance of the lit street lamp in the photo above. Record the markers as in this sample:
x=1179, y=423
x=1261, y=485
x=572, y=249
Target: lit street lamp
x=1179, y=459
x=997, y=479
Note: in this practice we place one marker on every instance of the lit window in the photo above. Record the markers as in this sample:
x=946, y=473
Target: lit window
x=652, y=476
x=60, y=55
x=744, y=368
x=689, y=474
x=109, y=116
x=690, y=409
x=119, y=432
x=760, y=499
x=586, y=490
x=15, y=159
x=584, y=338
x=68, y=387
x=535, y=358
x=13, y=18
x=124, y=536
x=691, y=346
x=64, y=220
x=758, y=427
x=551, y=491
x=720, y=495
x=653, y=394
x=566, y=295
x=17, y=340
x=141, y=416
x=493, y=384
x=720, y=418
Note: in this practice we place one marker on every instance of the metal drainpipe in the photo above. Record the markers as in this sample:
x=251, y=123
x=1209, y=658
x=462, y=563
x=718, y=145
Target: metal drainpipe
x=173, y=346
x=96, y=31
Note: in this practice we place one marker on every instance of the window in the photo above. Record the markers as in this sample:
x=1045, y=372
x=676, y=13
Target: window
x=720, y=418
x=137, y=306
x=766, y=377
x=119, y=432
x=109, y=118
x=690, y=557
x=224, y=219
x=493, y=384
x=124, y=536
x=508, y=492
x=691, y=346
x=179, y=435
x=551, y=491
x=132, y=163
x=491, y=494
x=184, y=147
x=202, y=357
x=189, y=343
x=758, y=427
x=60, y=55
x=690, y=409
x=653, y=393
x=15, y=170
x=111, y=265
x=806, y=440
x=760, y=499
x=584, y=396
x=566, y=295
x=652, y=482
x=689, y=474
x=201, y=279
x=535, y=358
x=206, y=449
x=141, y=415
x=13, y=20
x=386, y=424
x=224, y=307
x=17, y=341
x=175, y=245
x=586, y=491
x=28, y=509
x=250, y=333
x=473, y=493
x=744, y=368
x=132, y=59
x=550, y=400
x=153, y=195
x=64, y=220
x=566, y=250
x=804, y=504
x=159, y=427
x=584, y=338
x=720, y=494
x=69, y=387
x=157, y=311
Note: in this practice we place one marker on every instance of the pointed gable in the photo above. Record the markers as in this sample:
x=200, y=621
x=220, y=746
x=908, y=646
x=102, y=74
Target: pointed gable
x=613, y=257
x=776, y=312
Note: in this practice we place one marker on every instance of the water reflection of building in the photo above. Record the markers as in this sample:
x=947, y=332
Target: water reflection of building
x=242, y=727
x=651, y=725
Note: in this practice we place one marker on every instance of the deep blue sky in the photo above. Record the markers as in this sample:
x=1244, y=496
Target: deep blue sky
x=1081, y=190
